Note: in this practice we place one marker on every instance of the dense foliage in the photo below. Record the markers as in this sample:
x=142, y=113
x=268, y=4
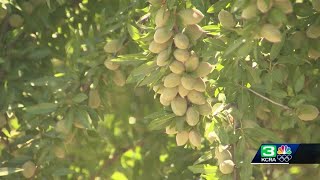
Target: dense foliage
x=110, y=89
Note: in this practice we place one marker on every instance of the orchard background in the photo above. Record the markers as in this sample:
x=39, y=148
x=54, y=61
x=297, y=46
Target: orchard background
x=164, y=89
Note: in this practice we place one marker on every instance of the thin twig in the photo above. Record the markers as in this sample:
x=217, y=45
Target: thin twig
x=265, y=98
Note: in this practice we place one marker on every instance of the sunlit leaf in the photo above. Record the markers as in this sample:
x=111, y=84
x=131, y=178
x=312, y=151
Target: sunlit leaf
x=4, y=171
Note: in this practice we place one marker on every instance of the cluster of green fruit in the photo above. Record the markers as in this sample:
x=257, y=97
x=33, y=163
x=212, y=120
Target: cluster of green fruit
x=184, y=86
x=113, y=47
x=223, y=154
x=224, y=157
x=274, y=14
x=16, y=20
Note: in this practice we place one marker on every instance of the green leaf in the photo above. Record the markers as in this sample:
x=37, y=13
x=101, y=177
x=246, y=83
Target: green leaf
x=135, y=79
x=216, y=44
x=245, y=49
x=155, y=115
x=232, y=47
x=254, y=73
x=145, y=68
x=40, y=53
x=298, y=86
x=277, y=16
x=1, y=60
x=69, y=118
x=276, y=48
x=139, y=73
x=161, y=122
x=83, y=117
x=62, y=172
x=203, y=169
x=42, y=108
x=48, y=3
x=170, y=3
x=79, y=98
x=204, y=157
x=243, y=100
x=211, y=28
x=278, y=75
x=152, y=78
x=211, y=9
x=223, y=134
x=216, y=7
x=241, y=148
x=130, y=58
x=279, y=93
x=133, y=31
x=291, y=59
x=4, y=171
x=262, y=133
x=246, y=171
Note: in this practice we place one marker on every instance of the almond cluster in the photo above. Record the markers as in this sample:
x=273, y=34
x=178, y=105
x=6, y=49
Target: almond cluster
x=276, y=14
x=183, y=87
x=113, y=47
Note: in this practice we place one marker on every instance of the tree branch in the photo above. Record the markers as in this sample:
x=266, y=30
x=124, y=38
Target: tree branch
x=267, y=99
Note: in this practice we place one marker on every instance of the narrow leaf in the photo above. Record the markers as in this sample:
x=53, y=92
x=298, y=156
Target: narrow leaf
x=276, y=48
x=130, y=58
x=161, y=122
x=205, y=157
x=299, y=84
x=133, y=31
x=79, y=98
x=42, y=108
x=235, y=45
x=7, y=170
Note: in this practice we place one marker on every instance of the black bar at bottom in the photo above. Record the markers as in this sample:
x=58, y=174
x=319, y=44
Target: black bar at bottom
x=307, y=154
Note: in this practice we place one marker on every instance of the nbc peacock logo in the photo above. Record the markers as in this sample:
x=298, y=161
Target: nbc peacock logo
x=284, y=153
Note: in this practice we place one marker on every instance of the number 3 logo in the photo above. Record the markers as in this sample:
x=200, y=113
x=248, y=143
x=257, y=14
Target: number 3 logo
x=268, y=151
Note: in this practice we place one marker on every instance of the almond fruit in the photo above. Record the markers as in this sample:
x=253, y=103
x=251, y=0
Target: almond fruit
x=192, y=63
x=181, y=41
x=172, y=80
x=182, y=138
x=162, y=17
x=111, y=65
x=271, y=33
x=29, y=168
x=177, y=67
x=191, y=16
x=196, y=97
x=169, y=93
x=192, y=116
x=181, y=55
x=179, y=106
x=226, y=19
x=204, y=69
x=113, y=46
x=183, y=92
x=195, y=138
x=188, y=82
x=162, y=35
